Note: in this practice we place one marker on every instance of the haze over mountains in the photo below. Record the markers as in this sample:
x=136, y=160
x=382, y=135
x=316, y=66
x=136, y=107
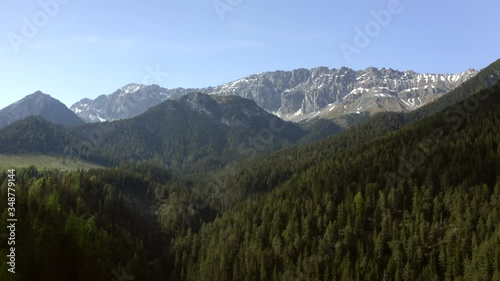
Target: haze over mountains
x=298, y=95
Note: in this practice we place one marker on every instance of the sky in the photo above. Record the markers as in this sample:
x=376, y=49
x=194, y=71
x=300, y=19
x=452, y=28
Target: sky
x=75, y=49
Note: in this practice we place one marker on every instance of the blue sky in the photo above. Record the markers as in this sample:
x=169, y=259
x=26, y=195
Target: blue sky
x=84, y=48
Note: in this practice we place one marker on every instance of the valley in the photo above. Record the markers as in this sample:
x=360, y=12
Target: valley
x=233, y=140
x=214, y=187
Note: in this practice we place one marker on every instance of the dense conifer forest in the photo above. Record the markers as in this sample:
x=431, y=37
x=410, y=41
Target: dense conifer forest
x=398, y=197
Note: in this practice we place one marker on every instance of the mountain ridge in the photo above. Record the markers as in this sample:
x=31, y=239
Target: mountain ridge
x=297, y=95
x=126, y=102
x=319, y=91
x=197, y=130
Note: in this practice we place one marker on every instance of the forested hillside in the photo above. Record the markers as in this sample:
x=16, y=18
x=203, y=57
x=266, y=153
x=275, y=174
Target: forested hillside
x=420, y=204
x=82, y=225
x=399, y=197
x=196, y=133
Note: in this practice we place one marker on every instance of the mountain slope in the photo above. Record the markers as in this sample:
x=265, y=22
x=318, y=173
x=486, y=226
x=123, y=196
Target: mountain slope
x=485, y=79
x=418, y=204
x=298, y=95
x=403, y=196
x=194, y=133
x=266, y=174
x=40, y=104
x=304, y=94
x=338, y=219
x=126, y=102
x=35, y=135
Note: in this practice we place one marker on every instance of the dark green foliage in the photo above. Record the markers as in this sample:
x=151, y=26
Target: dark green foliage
x=485, y=79
x=374, y=212
x=399, y=197
x=35, y=135
x=320, y=129
x=296, y=159
x=196, y=133
x=82, y=225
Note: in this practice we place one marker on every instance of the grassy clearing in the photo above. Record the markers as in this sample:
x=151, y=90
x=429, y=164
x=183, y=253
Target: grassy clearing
x=43, y=162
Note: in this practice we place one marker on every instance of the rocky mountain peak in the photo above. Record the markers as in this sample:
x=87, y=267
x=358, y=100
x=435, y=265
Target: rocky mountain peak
x=321, y=92
x=38, y=104
x=126, y=102
x=296, y=95
x=39, y=93
x=132, y=88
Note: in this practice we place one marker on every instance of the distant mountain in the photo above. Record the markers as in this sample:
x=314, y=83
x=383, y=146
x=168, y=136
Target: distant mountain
x=298, y=95
x=195, y=132
x=304, y=94
x=39, y=104
x=126, y=102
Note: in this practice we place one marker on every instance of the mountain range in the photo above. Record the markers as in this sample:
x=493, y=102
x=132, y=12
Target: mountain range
x=301, y=95
x=199, y=131
x=401, y=196
x=298, y=95
x=195, y=132
x=126, y=102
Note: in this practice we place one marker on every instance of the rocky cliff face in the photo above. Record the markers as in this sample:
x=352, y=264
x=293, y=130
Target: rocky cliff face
x=297, y=95
x=302, y=94
x=126, y=102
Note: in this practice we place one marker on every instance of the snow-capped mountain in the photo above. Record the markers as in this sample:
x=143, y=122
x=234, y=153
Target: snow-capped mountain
x=303, y=94
x=124, y=103
x=297, y=95
x=39, y=104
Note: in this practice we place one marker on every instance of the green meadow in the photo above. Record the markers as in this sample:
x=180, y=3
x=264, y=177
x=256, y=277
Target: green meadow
x=43, y=162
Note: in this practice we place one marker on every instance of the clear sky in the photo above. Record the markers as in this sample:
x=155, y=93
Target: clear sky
x=72, y=49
